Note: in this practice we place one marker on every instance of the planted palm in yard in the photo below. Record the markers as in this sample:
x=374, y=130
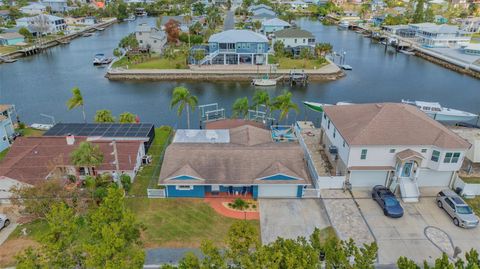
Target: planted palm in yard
x=284, y=104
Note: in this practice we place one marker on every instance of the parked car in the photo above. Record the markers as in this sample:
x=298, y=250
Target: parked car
x=461, y=213
x=4, y=221
x=388, y=202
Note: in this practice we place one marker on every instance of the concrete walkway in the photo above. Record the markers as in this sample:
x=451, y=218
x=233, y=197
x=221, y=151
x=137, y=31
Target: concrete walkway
x=5, y=232
x=346, y=217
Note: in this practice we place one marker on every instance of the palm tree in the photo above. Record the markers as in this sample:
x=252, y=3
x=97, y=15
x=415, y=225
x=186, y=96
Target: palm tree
x=127, y=117
x=182, y=97
x=305, y=55
x=257, y=25
x=103, y=116
x=262, y=98
x=87, y=155
x=77, y=100
x=284, y=104
x=240, y=108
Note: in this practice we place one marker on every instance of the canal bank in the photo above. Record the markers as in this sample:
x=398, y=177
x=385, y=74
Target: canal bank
x=221, y=73
x=29, y=51
x=41, y=84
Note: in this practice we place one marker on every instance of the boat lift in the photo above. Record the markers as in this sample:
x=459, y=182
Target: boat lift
x=211, y=112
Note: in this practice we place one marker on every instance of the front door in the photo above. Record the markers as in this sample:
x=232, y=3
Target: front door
x=407, y=169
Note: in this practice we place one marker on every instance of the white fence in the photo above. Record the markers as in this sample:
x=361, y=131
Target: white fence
x=156, y=193
x=468, y=189
x=335, y=182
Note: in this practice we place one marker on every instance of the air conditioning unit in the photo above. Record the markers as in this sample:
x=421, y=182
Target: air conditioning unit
x=333, y=149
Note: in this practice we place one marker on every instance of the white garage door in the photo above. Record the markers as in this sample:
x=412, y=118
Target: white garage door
x=432, y=178
x=277, y=191
x=367, y=178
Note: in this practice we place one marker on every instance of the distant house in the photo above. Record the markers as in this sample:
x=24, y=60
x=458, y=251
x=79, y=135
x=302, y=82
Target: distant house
x=33, y=9
x=33, y=160
x=437, y=36
x=298, y=5
x=242, y=161
x=56, y=5
x=6, y=126
x=471, y=25
x=472, y=135
x=294, y=37
x=273, y=25
x=11, y=39
x=150, y=38
x=43, y=24
x=237, y=47
x=5, y=14
x=439, y=19
x=256, y=7
x=261, y=14
x=90, y=20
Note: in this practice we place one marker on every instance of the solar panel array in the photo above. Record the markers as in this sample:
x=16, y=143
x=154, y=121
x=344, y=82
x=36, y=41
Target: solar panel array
x=101, y=129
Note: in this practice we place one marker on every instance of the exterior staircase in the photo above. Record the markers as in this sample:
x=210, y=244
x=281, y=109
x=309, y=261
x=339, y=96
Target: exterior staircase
x=409, y=190
x=208, y=58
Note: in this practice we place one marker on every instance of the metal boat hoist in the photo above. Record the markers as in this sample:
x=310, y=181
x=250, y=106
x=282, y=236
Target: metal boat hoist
x=211, y=112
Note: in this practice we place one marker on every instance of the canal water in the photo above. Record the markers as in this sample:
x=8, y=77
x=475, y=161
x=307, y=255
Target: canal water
x=42, y=83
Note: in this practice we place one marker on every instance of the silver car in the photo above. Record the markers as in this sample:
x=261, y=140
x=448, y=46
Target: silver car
x=4, y=221
x=459, y=211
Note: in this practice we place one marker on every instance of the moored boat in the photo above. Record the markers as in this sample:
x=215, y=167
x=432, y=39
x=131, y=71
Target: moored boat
x=344, y=24
x=439, y=113
x=264, y=82
x=100, y=59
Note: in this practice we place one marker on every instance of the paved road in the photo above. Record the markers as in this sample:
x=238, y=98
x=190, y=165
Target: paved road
x=229, y=22
x=290, y=218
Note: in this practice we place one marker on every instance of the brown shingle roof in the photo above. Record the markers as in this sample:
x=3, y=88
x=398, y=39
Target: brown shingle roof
x=408, y=153
x=31, y=159
x=235, y=163
x=4, y=107
x=391, y=124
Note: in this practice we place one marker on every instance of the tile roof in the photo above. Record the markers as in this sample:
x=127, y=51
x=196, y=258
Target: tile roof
x=391, y=124
x=31, y=159
x=292, y=33
x=251, y=155
x=234, y=36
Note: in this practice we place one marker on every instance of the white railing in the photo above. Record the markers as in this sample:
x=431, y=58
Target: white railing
x=209, y=57
x=156, y=193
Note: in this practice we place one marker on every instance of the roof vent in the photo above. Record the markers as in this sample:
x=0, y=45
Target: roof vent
x=70, y=139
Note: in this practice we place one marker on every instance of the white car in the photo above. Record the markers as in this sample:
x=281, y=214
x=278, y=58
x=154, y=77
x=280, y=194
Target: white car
x=4, y=221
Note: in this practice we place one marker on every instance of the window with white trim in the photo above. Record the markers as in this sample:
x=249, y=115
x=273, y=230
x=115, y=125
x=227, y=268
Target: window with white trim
x=451, y=157
x=184, y=187
x=435, y=155
x=392, y=150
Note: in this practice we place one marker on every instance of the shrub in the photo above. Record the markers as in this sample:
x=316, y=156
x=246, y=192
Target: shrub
x=239, y=204
x=254, y=206
x=21, y=125
x=126, y=182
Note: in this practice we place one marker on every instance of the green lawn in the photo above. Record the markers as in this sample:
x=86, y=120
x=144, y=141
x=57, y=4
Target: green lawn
x=155, y=62
x=288, y=63
x=151, y=172
x=472, y=180
x=35, y=230
x=30, y=132
x=3, y=153
x=180, y=222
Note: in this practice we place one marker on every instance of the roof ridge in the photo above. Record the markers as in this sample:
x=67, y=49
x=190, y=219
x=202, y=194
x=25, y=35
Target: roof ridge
x=382, y=106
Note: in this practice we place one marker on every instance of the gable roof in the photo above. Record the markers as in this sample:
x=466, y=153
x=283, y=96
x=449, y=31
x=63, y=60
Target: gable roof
x=293, y=33
x=263, y=11
x=31, y=159
x=391, y=124
x=275, y=22
x=242, y=161
x=408, y=154
x=234, y=36
x=251, y=8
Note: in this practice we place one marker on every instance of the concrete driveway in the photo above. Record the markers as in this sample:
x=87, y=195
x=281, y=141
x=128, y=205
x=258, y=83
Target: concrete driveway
x=406, y=236
x=290, y=218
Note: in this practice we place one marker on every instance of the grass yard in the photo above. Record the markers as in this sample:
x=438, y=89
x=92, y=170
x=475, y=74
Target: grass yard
x=471, y=180
x=287, y=63
x=3, y=153
x=151, y=171
x=155, y=63
x=30, y=132
x=180, y=222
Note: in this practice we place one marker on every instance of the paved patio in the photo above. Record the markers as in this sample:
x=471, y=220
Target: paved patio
x=346, y=217
x=290, y=218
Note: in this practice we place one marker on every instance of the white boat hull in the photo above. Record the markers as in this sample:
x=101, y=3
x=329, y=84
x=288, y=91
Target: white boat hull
x=445, y=117
x=264, y=82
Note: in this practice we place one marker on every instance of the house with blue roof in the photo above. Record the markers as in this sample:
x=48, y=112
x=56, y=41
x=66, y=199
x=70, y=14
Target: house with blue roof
x=241, y=161
x=273, y=25
x=237, y=47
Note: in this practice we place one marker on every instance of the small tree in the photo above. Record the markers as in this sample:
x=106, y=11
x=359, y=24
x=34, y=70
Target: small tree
x=87, y=155
x=26, y=33
x=127, y=117
x=104, y=116
x=172, y=28
x=240, y=108
x=198, y=55
x=126, y=182
x=305, y=54
x=257, y=25
x=284, y=104
x=77, y=101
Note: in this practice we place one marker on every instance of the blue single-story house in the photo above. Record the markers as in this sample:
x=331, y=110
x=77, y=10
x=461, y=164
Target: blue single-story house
x=237, y=47
x=11, y=39
x=240, y=161
x=273, y=25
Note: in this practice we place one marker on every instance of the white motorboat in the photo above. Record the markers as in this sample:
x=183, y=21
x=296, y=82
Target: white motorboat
x=131, y=18
x=40, y=126
x=439, y=113
x=264, y=82
x=344, y=24
x=346, y=67
x=319, y=106
x=100, y=59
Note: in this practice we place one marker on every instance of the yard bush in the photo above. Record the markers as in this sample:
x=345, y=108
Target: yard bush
x=126, y=182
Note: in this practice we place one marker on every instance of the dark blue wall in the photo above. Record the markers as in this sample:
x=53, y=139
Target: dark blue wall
x=198, y=191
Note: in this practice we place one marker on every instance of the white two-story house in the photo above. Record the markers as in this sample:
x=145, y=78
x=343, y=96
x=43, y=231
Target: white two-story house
x=391, y=144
